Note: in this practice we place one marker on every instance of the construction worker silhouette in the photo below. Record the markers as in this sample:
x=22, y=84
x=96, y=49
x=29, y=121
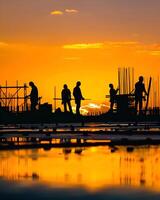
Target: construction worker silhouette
x=78, y=97
x=113, y=94
x=139, y=90
x=66, y=98
x=33, y=96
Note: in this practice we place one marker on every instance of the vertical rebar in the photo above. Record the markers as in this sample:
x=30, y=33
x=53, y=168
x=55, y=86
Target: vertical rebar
x=119, y=80
x=6, y=94
x=55, y=96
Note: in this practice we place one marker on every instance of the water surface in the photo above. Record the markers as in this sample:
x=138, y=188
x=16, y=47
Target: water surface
x=83, y=173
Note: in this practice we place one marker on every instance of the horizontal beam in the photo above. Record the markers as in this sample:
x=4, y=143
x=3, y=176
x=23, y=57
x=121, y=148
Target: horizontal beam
x=12, y=98
x=13, y=87
x=60, y=99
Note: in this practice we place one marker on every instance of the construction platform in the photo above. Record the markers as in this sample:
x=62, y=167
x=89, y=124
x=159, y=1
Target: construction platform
x=77, y=135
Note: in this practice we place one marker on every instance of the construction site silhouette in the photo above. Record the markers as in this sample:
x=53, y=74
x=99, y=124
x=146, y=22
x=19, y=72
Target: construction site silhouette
x=126, y=103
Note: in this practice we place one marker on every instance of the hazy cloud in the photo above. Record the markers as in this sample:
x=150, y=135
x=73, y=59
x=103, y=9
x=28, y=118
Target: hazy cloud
x=72, y=58
x=120, y=44
x=59, y=12
x=84, y=46
x=3, y=44
x=71, y=11
x=155, y=53
x=149, y=49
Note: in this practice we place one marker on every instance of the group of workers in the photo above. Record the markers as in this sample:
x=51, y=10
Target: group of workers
x=66, y=96
x=139, y=91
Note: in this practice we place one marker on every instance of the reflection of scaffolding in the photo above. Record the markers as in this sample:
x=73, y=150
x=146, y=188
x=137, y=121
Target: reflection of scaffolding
x=13, y=98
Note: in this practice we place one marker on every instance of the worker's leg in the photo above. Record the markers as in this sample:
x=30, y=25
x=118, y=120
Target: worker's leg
x=65, y=106
x=78, y=107
x=33, y=106
x=136, y=105
x=140, y=106
x=70, y=107
x=111, y=105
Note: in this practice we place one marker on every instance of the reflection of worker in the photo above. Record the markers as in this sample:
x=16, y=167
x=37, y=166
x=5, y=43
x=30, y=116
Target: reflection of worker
x=66, y=98
x=139, y=90
x=113, y=94
x=78, y=97
x=33, y=96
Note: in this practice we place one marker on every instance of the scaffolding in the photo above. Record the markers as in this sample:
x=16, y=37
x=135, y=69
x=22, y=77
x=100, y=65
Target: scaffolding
x=13, y=98
x=125, y=99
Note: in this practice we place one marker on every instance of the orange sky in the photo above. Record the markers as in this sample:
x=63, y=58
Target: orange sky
x=57, y=42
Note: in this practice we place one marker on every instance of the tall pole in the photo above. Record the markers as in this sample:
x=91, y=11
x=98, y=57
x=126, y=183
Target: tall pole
x=6, y=95
x=25, y=97
x=158, y=92
x=132, y=78
x=119, y=80
x=17, y=98
x=126, y=80
x=129, y=79
x=55, y=96
x=148, y=93
x=124, y=86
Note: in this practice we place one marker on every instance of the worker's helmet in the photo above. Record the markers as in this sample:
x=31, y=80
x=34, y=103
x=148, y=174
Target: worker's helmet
x=141, y=78
x=31, y=83
x=78, y=83
x=111, y=85
x=65, y=86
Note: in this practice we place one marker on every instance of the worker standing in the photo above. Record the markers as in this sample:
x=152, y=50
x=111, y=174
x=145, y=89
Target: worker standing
x=33, y=96
x=78, y=97
x=139, y=90
x=66, y=98
x=113, y=93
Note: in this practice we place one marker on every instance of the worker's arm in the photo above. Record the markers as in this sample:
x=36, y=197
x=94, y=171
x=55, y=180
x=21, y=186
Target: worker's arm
x=28, y=96
x=117, y=90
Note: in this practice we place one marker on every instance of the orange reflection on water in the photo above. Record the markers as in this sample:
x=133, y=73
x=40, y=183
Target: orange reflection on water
x=92, y=168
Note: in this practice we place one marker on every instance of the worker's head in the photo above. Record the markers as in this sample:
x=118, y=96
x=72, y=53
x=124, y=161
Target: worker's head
x=31, y=84
x=78, y=83
x=141, y=78
x=111, y=85
x=65, y=86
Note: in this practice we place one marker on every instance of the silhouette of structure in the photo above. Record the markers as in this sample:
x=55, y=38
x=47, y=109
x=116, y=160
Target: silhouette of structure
x=130, y=95
x=33, y=96
x=13, y=98
x=113, y=93
x=66, y=98
x=78, y=97
x=139, y=91
x=124, y=97
x=125, y=80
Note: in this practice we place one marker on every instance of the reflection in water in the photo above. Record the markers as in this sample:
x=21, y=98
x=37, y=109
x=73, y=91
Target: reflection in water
x=92, y=168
